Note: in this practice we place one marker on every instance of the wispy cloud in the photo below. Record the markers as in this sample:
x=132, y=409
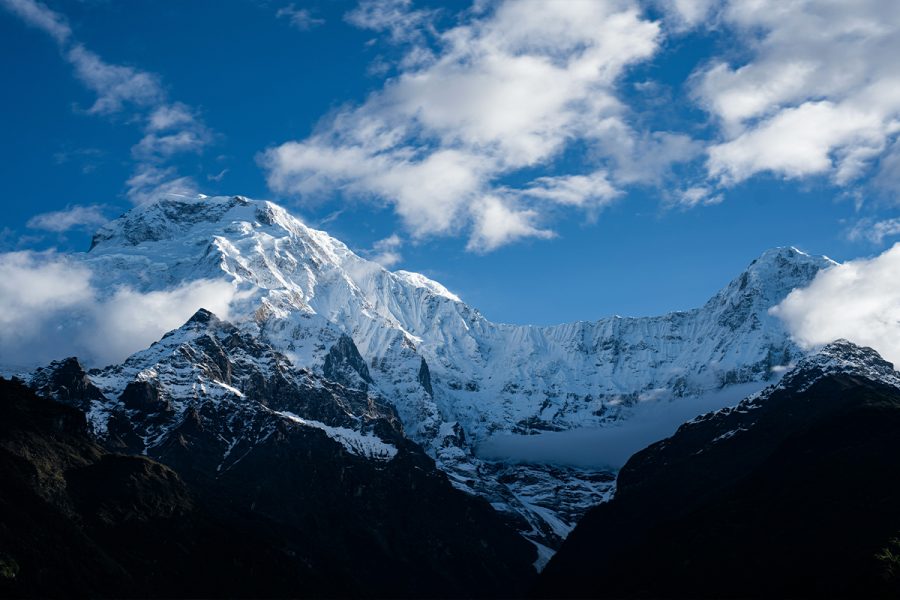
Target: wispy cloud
x=170, y=128
x=300, y=18
x=875, y=231
x=88, y=159
x=218, y=176
x=116, y=86
x=150, y=182
x=574, y=190
x=699, y=195
x=72, y=217
x=386, y=252
x=40, y=16
x=397, y=18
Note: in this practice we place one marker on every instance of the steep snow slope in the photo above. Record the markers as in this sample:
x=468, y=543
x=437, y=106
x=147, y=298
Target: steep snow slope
x=454, y=377
x=305, y=288
x=299, y=289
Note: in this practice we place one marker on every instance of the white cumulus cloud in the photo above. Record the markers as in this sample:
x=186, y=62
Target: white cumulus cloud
x=509, y=88
x=816, y=90
x=498, y=223
x=858, y=300
x=52, y=310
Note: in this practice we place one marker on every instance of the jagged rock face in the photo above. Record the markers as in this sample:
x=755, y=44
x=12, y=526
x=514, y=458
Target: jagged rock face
x=144, y=397
x=213, y=388
x=440, y=363
x=67, y=382
x=425, y=378
x=790, y=493
x=343, y=364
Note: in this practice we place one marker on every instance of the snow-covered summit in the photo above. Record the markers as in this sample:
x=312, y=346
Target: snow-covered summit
x=777, y=271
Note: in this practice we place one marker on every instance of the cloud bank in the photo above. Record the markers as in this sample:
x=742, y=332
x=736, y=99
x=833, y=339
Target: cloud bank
x=52, y=310
x=858, y=300
x=805, y=89
x=510, y=88
x=610, y=447
x=817, y=94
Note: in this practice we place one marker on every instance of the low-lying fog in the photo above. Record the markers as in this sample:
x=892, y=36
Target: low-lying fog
x=611, y=446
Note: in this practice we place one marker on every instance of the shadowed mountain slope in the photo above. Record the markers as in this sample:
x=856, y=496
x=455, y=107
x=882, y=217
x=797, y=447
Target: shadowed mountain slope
x=793, y=492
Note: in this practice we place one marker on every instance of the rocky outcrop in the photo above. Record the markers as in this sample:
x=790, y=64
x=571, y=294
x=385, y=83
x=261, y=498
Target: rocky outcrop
x=343, y=364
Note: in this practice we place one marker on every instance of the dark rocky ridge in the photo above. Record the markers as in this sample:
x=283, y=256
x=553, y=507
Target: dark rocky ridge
x=76, y=520
x=793, y=493
x=344, y=365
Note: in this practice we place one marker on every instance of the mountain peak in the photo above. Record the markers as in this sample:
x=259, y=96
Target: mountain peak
x=772, y=276
x=782, y=258
x=164, y=219
x=420, y=281
x=841, y=357
x=188, y=225
x=787, y=252
x=203, y=316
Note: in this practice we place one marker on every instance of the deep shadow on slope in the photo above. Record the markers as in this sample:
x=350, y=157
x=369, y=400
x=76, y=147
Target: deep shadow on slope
x=76, y=520
x=799, y=504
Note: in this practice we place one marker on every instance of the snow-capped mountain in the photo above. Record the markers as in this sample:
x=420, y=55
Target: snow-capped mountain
x=306, y=289
x=399, y=338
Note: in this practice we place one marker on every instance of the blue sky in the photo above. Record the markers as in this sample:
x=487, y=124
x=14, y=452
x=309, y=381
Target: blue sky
x=547, y=161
